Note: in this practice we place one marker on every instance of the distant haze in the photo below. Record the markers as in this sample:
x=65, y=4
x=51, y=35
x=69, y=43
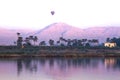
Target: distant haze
x=35, y=14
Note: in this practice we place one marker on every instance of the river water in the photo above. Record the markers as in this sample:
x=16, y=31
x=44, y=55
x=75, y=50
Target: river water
x=60, y=69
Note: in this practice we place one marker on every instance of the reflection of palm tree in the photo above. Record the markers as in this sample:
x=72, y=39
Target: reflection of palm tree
x=19, y=66
x=51, y=63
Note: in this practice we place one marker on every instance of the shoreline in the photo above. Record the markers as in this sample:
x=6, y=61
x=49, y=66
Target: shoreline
x=58, y=52
x=53, y=55
x=63, y=54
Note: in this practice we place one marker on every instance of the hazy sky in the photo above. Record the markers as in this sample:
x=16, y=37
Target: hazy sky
x=35, y=14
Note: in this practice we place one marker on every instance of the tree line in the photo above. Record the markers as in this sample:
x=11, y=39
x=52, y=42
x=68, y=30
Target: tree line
x=31, y=40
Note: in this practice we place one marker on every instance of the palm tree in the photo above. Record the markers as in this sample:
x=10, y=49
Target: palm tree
x=63, y=41
x=95, y=42
x=58, y=43
x=79, y=43
x=14, y=42
x=69, y=42
x=19, y=40
x=51, y=42
x=108, y=39
x=31, y=39
x=35, y=39
x=42, y=43
x=27, y=40
x=84, y=41
x=18, y=34
x=75, y=44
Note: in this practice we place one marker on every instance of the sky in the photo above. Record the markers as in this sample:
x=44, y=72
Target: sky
x=35, y=14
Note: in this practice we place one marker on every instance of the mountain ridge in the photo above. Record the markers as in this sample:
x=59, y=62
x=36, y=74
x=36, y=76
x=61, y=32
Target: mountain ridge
x=56, y=30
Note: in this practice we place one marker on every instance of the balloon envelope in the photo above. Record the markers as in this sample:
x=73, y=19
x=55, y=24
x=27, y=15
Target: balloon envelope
x=52, y=12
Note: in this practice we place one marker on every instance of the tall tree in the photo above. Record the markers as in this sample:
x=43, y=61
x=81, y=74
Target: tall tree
x=108, y=39
x=84, y=41
x=35, y=39
x=58, y=43
x=69, y=42
x=18, y=34
x=19, y=40
x=51, y=42
x=116, y=40
x=31, y=38
x=42, y=43
x=62, y=41
x=27, y=41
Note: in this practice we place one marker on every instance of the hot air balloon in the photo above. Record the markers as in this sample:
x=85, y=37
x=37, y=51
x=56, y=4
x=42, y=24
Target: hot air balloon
x=52, y=12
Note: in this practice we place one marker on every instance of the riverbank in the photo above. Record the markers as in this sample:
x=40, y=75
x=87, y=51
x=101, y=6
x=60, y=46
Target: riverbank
x=59, y=55
x=32, y=52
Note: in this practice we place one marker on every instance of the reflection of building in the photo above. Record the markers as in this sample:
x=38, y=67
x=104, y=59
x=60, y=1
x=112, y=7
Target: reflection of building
x=109, y=62
x=110, y=45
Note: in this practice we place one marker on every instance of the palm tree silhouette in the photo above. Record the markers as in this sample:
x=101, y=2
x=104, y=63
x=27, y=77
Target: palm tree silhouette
x=35, y=39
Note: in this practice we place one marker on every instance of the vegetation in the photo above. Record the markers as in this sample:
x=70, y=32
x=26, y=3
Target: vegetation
x=62, y=48
x=115, y=40
x=74, y=43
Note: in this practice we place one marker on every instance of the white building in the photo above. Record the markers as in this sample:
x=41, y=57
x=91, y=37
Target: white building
x=110, y=44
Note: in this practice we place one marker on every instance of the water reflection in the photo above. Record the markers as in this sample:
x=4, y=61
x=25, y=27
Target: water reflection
x=28, y=64
x=112, y=63
x=19, y=66
x=63, y=64
x=60, y=68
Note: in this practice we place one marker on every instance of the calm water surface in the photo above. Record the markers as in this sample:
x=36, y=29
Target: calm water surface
x=60, y=69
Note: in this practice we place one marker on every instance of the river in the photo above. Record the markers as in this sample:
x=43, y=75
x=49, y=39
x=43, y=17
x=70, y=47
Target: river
x=60, y=69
